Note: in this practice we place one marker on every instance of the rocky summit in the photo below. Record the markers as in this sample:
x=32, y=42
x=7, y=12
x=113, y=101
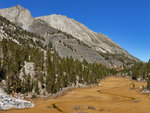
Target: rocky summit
x=98, y=41
x=18, y=15
x=71, y=38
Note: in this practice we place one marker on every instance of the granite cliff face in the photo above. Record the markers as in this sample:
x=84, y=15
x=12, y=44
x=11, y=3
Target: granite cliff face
x=97, y=41
x=18, y=15
x=71, y=38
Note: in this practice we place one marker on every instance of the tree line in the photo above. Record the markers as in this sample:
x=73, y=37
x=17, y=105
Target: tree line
x=140, y=71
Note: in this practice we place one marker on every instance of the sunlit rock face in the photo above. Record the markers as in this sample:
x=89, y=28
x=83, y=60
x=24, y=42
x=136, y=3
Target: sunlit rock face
x=18, y=15
x=48, y=26
x=97, y=41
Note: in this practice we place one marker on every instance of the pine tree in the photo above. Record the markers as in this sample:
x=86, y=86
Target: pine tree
x=148, y=83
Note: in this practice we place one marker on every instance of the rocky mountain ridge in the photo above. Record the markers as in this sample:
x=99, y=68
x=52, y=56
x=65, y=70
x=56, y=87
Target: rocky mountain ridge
x=18, y=15
x=98, y=41
x=70, y=38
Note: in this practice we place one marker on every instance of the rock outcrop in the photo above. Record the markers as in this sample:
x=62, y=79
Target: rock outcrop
x=18, y=15
x=8, y=102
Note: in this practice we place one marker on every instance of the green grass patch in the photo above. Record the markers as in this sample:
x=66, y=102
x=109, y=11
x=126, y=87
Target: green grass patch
x=56, y=107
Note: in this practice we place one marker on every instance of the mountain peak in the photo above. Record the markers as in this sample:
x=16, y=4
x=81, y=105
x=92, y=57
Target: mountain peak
x=18, y=15
x=95, y=41
x=81, y=32
x=18, y=7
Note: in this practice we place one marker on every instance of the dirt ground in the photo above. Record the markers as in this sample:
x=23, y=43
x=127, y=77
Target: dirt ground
x=115, y=96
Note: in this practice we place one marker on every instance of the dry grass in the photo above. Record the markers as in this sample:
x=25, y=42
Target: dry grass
x=115, y=96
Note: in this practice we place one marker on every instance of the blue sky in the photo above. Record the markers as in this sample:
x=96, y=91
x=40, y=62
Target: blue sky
x=126, y=22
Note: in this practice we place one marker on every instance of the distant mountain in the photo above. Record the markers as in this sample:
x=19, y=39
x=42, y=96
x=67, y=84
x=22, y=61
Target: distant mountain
x=97, y=41
x=71, y=38
x=18, y=15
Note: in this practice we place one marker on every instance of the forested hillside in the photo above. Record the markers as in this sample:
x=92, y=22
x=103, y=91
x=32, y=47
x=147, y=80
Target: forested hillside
x=139, y=71
x=29, y=65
